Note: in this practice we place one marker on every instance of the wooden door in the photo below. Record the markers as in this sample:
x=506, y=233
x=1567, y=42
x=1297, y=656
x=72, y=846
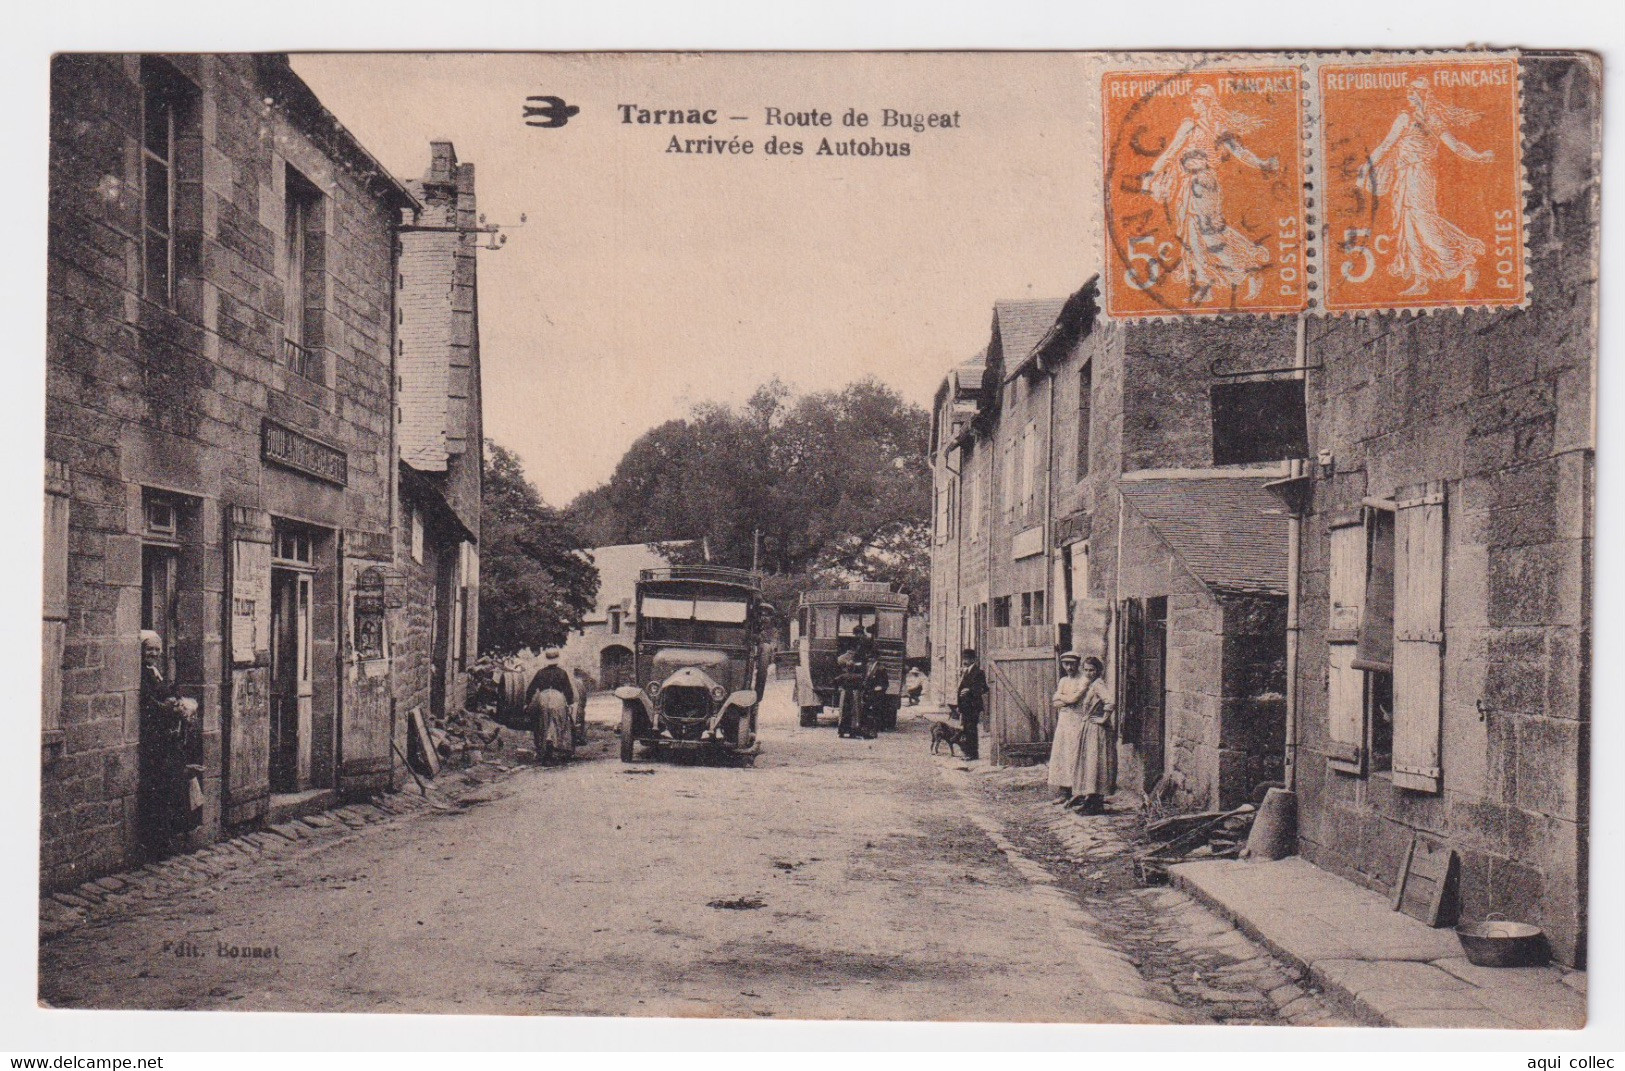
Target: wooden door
x=291, y=681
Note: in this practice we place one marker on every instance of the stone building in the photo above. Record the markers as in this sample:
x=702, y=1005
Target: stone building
x=1443, y=665
x=603, y=645
x=219, y=443
x=1091, y=498
x=436, y=627
x=1350, y=554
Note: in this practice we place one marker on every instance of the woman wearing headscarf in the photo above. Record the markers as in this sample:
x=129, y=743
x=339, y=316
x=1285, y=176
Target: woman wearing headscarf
x=1065, y=751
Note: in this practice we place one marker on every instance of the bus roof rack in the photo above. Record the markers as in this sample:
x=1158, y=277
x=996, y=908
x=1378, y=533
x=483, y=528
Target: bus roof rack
x=714, y=573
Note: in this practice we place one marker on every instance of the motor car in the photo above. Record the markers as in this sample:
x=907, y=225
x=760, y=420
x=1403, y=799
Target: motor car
x=699, y=664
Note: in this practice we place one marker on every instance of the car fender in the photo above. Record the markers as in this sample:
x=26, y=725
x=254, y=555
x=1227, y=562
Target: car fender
x=633, y=697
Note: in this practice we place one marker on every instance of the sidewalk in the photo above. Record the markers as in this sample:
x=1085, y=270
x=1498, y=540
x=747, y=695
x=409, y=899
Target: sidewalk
x=1388, y=968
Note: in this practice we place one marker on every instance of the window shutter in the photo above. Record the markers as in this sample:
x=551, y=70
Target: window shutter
x=56, y=591
x=1418, y=636
x=1345, y=685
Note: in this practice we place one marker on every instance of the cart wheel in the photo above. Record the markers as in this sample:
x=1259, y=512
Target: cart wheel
x=628, y=744
x=809, y=717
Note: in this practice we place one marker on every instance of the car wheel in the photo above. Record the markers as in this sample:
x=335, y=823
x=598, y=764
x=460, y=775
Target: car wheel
x=745, y=737
x=628, y=743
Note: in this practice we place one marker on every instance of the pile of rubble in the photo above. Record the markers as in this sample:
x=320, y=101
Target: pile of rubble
x=1205, y=835
x=464, y=737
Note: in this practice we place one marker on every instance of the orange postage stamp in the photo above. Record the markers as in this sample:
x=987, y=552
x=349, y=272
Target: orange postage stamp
x=1422, y=182
x=1204, y=192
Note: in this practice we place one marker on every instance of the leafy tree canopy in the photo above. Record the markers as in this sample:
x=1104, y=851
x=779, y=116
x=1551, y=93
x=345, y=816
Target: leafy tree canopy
x=535, y=585
x=819, y=489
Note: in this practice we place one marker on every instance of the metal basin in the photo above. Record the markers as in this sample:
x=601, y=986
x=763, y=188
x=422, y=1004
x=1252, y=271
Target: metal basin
x=1498, y=942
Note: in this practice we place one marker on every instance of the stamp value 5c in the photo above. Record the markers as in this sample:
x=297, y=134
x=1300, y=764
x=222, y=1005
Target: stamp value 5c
x=1204, y=192
x=1423, y=184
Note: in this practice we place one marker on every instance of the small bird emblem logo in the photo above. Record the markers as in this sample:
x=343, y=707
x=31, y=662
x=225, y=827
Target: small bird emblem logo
x=548, y=111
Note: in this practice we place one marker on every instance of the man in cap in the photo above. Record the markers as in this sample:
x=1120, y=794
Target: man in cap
x=970, y=701
x=549, y=699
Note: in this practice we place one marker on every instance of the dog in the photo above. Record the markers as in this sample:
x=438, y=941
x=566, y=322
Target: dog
x=946, y=732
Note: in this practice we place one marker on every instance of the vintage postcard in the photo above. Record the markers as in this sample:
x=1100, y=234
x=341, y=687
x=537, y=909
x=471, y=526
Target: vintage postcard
x=1067, y=537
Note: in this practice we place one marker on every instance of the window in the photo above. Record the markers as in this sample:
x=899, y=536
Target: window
x=292, y=546
x=1386, y=639
x=1258, y=421
x=301, y=279
x=1086, y=389
x=160, y=515
x=1032, y=608
x=159, y=100
x=1374, y=651
x=160, y=571
x=1001, y=612
x=160, y=599
x=615, y=621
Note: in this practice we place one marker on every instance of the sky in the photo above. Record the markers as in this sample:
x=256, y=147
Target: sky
x=645, y=281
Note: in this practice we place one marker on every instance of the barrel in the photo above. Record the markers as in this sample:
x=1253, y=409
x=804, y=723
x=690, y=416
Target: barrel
x=511, y=703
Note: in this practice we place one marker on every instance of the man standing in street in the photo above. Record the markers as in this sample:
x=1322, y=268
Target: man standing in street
x=971, y=701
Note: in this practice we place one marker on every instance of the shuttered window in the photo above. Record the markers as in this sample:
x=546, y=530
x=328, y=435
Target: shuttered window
x=1418, y=641
x=1345, y=685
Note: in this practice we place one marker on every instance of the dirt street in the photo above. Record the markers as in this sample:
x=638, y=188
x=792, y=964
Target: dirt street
x=835, y=879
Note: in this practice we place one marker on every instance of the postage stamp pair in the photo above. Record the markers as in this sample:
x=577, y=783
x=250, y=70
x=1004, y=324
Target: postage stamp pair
x=1330, y=183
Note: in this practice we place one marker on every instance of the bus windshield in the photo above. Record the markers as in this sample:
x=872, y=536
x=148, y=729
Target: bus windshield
x=678, y=619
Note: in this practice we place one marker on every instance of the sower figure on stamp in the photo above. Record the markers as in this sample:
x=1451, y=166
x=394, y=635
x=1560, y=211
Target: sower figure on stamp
x=170, y=792
x=1403, y=169
x=970, y=700
x=1187, y=179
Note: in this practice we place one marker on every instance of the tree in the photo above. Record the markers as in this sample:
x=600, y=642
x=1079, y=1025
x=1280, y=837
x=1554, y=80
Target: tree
x=824, y=488
x=535, y=582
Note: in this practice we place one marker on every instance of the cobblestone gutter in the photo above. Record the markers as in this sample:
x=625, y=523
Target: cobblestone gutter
x=1189, y=965
x=60, y=912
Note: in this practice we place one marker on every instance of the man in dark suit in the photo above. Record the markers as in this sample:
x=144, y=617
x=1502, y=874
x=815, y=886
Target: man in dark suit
x=971, y=702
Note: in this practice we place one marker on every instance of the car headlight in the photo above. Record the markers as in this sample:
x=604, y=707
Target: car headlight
x=654, y=689
x=717, y=693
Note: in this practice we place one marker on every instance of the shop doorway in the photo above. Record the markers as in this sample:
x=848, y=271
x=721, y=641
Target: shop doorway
x=1145, y=681
x=292, y=578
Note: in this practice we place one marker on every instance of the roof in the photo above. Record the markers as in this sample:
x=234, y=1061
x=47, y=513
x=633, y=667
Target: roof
x=1230, y=532
x=1022, y=325
x=618, y=569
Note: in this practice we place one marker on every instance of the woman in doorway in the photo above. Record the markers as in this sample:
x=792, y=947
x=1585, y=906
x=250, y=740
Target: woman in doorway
x=1096, y=775
x=1065, y=751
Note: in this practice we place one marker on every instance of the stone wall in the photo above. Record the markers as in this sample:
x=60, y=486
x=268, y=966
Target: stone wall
x=1194, y=698
x=171, y=397
x=1497, y=405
